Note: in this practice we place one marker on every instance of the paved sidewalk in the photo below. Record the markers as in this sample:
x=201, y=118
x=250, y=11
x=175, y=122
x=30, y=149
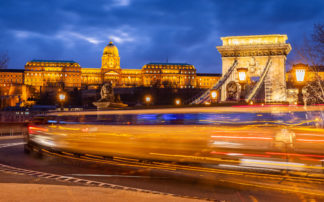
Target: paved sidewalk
x=56, y=193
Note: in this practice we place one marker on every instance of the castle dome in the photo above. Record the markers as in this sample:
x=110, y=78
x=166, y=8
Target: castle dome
x=111, y=49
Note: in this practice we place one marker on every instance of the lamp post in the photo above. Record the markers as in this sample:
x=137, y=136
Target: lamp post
x=213, y=96
x=242, y=77
x=300, y=74
x=62, y=99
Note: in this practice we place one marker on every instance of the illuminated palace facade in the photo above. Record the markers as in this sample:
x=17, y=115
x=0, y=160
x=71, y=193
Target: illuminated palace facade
x=69, y=74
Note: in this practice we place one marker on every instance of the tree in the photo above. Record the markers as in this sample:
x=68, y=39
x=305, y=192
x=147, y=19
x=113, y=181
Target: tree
x=4, y=59
x=313, y=92
x=312, y=53
x=318, y=38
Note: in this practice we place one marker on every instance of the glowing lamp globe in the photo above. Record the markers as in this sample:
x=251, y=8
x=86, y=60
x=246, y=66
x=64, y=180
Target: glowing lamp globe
x=213, y=95
x=148, y=99
x=242, y=74
x=61, y=97
x=300, y=72
x=300, y=75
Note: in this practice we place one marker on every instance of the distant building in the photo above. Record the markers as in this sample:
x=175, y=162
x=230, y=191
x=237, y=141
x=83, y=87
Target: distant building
x=53, y=73
x=206, y=80
x=69, y=74
x=11, y=76
x=42, y=74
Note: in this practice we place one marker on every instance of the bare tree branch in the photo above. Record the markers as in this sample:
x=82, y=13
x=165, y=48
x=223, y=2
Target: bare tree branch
x=4, y=59
x=312, y=53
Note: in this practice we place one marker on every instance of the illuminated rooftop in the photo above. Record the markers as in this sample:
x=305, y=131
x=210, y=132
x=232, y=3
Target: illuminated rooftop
x=169, y=65
x=254, y=39
x=54, y=61
x=111, y=49
x=157, y=63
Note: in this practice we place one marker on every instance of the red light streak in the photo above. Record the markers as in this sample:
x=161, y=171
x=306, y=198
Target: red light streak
x=292, y=154
x=33, y=128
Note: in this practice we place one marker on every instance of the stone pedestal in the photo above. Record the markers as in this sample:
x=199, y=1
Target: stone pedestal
x=108, y=105
x=117, y=105
x=101, y=105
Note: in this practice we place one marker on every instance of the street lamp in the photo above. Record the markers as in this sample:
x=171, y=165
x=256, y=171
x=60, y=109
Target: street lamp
x=300, y=75
x=62, y=99
x=148, y=99
x=213, y=96
x=177, y=101
x=242, y=77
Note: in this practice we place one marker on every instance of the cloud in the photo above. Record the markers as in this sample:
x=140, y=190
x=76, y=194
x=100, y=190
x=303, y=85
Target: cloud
x=68, y=36
x=121, y=3
x=115, y=4
x=121, y=38
x=145, y=30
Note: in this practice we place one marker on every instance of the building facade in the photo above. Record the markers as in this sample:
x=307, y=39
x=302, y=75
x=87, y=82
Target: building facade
x=69, y=74
x=54, y=73
x=40, y=75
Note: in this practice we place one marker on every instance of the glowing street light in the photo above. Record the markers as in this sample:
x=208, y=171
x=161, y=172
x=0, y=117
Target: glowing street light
x=62, y=98
x=148, y=99
x=242, y=77
x=177, y=101
x=242, y=71
x=213, y=96
x=300, y=75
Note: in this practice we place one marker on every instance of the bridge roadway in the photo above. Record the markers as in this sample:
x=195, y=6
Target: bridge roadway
x=53, y=169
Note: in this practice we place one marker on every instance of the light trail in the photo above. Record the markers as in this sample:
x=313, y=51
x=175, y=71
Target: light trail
x=256, y=109
x=239, y=144
x=174, y=167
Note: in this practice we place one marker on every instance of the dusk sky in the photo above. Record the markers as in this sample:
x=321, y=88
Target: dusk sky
x=146, y=30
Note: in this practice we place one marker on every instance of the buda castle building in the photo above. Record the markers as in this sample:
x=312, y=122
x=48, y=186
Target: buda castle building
x=70, y=75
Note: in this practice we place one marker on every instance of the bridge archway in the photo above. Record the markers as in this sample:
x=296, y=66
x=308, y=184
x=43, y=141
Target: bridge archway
x=255, y=53
x=232, y=91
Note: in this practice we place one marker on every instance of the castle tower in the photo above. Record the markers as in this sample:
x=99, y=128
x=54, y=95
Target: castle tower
x=110, y=58
x=110, y=66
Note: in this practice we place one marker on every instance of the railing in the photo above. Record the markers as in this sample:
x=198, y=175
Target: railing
x=204, y=97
